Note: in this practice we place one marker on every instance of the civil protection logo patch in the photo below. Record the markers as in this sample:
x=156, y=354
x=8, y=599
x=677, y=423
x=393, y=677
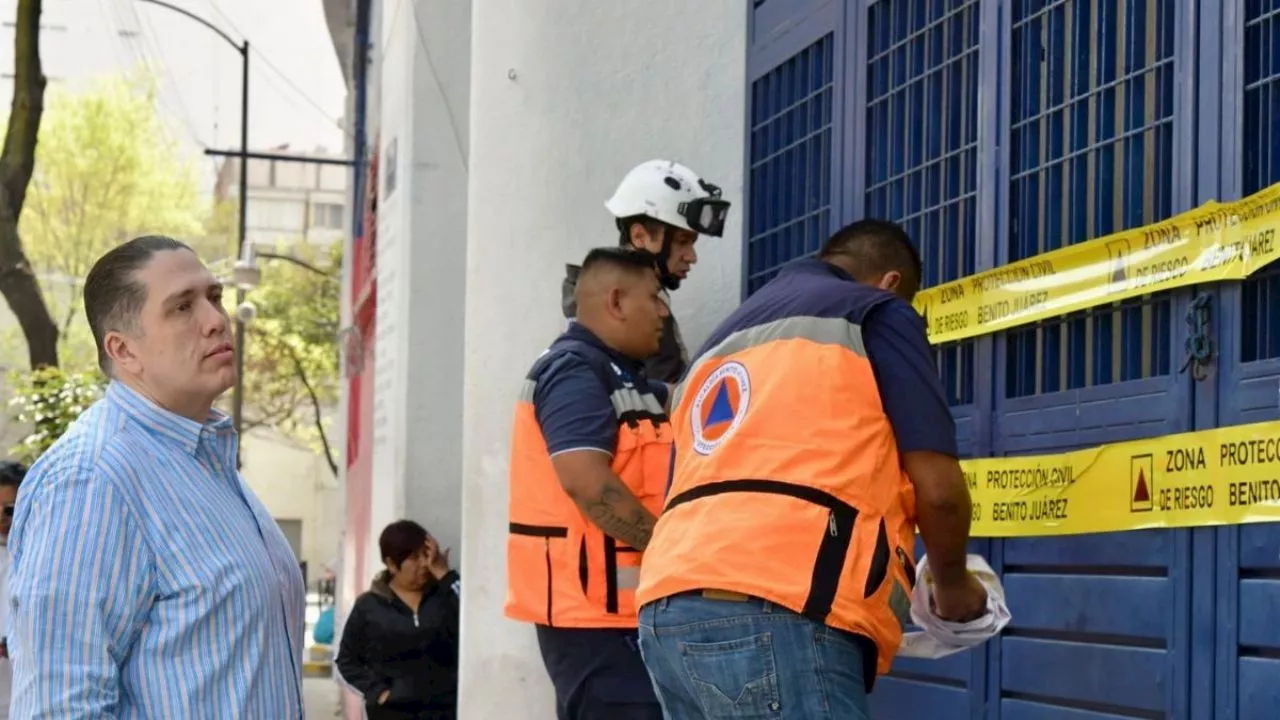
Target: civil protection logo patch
x=720, y=406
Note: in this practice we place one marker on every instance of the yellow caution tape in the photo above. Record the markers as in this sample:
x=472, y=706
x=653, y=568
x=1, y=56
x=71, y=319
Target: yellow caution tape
x=1212, y=243
x=1226, y=476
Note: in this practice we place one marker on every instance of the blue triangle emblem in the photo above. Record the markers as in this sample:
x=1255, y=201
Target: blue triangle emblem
x=721, y=411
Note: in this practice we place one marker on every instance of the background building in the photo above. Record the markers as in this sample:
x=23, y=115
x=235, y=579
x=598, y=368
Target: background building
x=994, y=129
x=290, y=201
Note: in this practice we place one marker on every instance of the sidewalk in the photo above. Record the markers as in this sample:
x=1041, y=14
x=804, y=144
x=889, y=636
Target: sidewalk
x=320, y=695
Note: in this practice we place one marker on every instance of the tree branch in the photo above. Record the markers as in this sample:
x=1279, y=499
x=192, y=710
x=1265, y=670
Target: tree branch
x=315, y=406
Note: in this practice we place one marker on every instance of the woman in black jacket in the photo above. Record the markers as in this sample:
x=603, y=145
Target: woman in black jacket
x=400, y=643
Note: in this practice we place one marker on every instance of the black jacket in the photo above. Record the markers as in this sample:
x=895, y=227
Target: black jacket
x=670, y=362
x=386, y=647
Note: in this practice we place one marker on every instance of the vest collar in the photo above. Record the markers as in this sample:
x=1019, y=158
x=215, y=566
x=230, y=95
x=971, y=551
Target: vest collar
x=814, y=266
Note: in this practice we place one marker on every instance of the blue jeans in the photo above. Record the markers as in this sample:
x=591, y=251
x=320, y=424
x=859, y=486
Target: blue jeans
x=739, y=659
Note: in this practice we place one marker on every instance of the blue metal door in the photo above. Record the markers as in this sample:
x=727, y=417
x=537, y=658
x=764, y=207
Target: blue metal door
x=994, y=130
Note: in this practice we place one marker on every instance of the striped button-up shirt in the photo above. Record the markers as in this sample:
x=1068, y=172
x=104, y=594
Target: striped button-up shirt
x=147, y=580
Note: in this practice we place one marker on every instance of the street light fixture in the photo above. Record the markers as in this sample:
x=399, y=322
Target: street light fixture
x=246, y=275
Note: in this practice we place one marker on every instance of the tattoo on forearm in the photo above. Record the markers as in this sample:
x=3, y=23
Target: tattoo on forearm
x=617, y=512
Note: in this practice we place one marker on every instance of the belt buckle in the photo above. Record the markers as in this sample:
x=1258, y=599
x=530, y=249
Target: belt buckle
x=726, y=595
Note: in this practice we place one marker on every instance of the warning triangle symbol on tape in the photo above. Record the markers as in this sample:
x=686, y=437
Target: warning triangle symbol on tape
x=1117, y=272
x=1140, y=492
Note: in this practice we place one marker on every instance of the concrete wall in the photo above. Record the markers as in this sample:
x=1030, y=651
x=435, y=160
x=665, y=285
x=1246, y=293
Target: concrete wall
x=295, y=483
x=419, y=113
x=565, y=97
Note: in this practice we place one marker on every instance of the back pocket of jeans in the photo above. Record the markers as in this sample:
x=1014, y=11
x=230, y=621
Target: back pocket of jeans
x=735, y=679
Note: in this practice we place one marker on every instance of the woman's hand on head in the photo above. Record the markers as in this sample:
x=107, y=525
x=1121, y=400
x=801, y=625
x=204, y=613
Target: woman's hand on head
x=437, y=558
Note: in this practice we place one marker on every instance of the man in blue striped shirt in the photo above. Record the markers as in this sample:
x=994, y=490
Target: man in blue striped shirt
x=147, y=580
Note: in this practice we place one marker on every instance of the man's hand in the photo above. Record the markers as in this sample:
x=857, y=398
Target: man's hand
x=382, y=699
x=588, y=478
x=964, y=601
x=437, y=559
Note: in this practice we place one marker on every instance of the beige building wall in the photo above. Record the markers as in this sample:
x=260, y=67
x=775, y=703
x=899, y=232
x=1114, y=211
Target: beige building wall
x=295, y=483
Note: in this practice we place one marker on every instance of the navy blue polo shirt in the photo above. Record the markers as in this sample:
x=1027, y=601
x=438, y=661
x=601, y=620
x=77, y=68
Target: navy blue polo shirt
x=893, y=333
x=572, y=405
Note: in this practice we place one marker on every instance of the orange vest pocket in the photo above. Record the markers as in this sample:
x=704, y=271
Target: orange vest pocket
x=643, y=462
x=531, y=570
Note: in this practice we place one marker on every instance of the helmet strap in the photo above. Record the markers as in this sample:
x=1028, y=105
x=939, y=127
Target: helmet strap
x=665, y=278
x=668, y=281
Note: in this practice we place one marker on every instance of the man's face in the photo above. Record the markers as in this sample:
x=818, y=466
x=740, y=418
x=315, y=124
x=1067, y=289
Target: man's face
x=643, y=310
x=683, y=255
x=8, y=496
x=181, y=347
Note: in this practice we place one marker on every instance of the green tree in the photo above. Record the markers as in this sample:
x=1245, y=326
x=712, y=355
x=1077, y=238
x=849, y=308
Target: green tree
x=50, y=399
x=107, y=169
x=291, y=379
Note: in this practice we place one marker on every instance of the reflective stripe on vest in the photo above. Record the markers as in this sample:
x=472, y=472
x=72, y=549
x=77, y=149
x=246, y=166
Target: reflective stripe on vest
x=561, y=569
x=787, y=483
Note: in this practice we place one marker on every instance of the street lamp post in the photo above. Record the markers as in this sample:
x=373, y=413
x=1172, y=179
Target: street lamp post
x=237, y=396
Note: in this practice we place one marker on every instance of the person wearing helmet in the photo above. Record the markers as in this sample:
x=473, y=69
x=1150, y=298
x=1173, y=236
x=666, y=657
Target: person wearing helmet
x=662, y=206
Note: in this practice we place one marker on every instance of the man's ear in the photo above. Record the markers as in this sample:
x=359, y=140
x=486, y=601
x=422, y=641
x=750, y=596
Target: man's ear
x=614, y=304
x=642, y=239
x=890, y=281
x=121, y=351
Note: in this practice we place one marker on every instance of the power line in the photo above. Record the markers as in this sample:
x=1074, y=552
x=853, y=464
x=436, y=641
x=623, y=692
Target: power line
x=274, y=68
x=151, y=41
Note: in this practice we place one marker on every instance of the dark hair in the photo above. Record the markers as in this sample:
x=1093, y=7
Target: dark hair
x=113, y=297
x=878, y=246
x=619, y=258
x=12, y=473
x=400, y=540
x=624, y=228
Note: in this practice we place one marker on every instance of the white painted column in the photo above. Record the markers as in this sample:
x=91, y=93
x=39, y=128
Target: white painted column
x=565, y=97
x=436, y=264
x=424, y=100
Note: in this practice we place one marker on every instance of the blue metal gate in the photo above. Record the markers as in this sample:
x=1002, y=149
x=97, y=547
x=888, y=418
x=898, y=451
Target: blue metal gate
x=999, y=129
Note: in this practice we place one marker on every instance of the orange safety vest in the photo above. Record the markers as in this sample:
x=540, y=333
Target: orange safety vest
x=787, y=484
x=562, y=570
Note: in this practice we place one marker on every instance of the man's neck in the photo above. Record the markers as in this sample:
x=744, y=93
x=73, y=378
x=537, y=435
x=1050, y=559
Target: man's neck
x=604, y=335
x=196, y=409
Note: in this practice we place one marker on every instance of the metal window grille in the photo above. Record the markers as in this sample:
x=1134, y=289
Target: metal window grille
x=1260, y=297
x=922, y=143
x=790, y=167
x=1091, y=153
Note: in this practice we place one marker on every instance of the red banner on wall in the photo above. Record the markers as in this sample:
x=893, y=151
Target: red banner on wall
x=360, y=349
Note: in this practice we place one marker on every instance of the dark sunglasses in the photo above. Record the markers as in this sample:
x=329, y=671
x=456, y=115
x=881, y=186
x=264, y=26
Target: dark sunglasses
x=8, y=511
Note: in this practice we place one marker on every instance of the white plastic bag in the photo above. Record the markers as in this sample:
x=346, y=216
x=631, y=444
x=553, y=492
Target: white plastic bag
x=938, y=638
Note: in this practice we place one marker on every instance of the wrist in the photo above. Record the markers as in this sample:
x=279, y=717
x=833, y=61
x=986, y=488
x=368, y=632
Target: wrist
x=949, y=576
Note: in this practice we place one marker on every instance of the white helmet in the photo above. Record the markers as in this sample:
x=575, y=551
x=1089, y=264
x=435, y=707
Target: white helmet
x=669, y=192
